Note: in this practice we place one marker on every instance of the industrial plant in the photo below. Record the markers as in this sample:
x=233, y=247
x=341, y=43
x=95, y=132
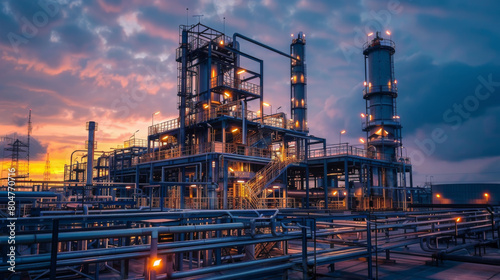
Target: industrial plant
x=224, y=192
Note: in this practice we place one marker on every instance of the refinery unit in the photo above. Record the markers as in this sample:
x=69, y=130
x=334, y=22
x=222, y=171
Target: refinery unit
x=218, y=154
x=222, y=188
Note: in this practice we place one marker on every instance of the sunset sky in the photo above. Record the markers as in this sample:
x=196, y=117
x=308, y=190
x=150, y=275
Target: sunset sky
x=113, y=62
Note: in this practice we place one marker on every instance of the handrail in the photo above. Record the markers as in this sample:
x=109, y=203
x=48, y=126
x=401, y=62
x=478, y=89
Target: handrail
x=380, y=88
x=227, y=81
x=212, y=147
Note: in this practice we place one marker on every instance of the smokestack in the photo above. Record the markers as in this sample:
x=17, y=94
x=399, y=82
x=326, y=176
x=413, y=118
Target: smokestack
x=91, y=127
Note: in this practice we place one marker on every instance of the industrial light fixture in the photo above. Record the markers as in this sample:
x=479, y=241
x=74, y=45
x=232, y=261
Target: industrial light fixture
x=362, y=140
x=486, y=195
x=230, y=169
x=234, y=130
x=240, y=181
x=335, y=193
x=227, y=94
x=205, y=106
x=438, y=195
x=241, y=71
x=266, y=104
x=370, y=34
x=364, y=83
x=221, y=42
x=363, y=115
x=156, y=263
x=388, y=32
x=276, y=187
x=345, y=193
x=165, y=137
x=342, y=132
x=128, y=187
x=458, y=219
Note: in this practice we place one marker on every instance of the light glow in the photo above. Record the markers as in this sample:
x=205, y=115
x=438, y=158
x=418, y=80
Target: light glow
x=388, y=32
x=240, y=181
x=227, y=94
x=438, y=195
x=364, y=83
x=157, y=263
x=458, y=219
x=221, y=42
x=335, y=193
x=345, y=193
x=241, y=71
x=266, y=104
x=234, y=130
x=363, y=115
x=362, y=140
x=230, y=169
x=156, y=113
x=205, y=106
x=342, y=132
x=486, y=195
x=370, y=34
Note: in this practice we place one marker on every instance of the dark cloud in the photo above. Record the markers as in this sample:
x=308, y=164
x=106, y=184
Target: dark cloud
x=37, y=149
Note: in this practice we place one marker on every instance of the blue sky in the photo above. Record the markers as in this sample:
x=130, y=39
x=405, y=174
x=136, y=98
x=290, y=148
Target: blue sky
x=113, y=62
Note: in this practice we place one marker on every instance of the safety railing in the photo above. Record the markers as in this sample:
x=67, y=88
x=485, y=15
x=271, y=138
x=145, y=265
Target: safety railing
x=227, y=81
x=337, y=149
x=345, y=149
x=380, y=88
x=266, y=175
x=379, y=42
x=163, y=126
x=213, y=147
x=135, y=143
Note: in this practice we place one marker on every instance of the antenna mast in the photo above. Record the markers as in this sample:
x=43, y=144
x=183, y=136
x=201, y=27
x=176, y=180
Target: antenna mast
x=199, y=17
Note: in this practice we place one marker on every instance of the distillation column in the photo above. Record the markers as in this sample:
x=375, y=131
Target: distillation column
x=382, y=122
x=298, y=96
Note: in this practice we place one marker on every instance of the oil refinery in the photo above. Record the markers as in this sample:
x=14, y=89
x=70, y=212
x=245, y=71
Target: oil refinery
x=224, y=192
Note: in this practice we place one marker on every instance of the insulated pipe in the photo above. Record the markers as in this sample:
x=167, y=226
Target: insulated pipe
x=225, y=267
x=85, y=235
x=244, y=120
x=272, y=269
x=186, y=245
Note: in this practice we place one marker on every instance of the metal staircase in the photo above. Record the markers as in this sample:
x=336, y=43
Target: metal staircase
x=263, y=178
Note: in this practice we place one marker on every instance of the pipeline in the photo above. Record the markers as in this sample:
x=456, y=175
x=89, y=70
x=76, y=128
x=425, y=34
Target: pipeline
x=85, y=235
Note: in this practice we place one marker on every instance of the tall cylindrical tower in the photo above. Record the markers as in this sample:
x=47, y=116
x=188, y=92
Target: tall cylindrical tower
x=382, y=123
x=298, y=94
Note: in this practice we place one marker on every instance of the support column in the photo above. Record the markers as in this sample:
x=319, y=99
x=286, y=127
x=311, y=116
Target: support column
x=347, y=190
x=325, y=183
x=225, y=186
